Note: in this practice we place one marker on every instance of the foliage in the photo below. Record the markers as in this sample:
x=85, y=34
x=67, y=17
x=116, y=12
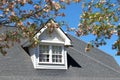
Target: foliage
x=99, y=17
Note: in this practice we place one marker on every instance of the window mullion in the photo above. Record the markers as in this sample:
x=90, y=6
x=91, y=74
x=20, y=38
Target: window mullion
x=50, y=53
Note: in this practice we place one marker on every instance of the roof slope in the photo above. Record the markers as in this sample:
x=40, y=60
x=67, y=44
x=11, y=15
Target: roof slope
x=95, y=65
x=94, y=53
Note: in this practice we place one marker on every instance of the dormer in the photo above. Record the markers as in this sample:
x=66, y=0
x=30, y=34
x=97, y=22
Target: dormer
x=51, y=52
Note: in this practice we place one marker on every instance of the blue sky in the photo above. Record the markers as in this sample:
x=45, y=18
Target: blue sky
x=72, y=17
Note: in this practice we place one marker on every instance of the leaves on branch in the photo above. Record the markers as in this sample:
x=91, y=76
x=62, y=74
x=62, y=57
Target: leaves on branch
x=98, y=18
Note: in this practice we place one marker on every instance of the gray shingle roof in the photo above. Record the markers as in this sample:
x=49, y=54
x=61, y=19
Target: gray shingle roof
x=94, y=65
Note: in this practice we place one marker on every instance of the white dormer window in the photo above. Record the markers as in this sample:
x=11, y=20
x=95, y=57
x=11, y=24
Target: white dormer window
x=50, y=53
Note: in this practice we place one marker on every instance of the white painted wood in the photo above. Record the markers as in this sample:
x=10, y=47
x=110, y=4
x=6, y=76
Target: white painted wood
x=51, y=67
x=50, y=41
x=54, y=66
x=32, y=54
x=58, y=38
x=50, y=52
x=63, y=65
x=66, y=64
x=54, y=36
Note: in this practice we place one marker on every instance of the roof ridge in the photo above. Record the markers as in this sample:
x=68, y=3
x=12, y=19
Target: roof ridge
x=97, y=61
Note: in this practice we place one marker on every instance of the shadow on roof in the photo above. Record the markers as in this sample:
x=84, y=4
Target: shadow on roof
x=72, y=62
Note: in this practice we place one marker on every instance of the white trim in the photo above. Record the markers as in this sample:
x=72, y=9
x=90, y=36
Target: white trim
x=46, y=41
x=51, y=65
x=50, y=53
x=66, y=39
x=66, y=64
x=40, y=32
x=54, y=66
x=38, y=65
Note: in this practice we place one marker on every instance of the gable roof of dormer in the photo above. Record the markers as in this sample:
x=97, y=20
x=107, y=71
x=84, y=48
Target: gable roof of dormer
x=67, y=41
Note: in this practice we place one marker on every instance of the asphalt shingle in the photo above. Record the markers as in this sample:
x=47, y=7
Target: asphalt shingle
x=94, y=65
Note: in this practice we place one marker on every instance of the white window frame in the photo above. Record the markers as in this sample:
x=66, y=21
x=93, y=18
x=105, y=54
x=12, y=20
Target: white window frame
x=50, y=54
x=46, y=54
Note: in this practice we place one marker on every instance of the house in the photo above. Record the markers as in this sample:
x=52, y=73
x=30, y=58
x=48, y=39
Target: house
x=59, y=56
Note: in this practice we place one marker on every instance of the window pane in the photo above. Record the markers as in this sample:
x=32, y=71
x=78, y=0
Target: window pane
x=44, y=53
x=56, y=54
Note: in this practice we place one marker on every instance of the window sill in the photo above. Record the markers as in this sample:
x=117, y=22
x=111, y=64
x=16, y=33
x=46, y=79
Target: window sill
x=47, y=63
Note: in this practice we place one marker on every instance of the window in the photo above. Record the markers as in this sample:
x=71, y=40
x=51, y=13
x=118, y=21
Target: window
x=56, y=54
x=51, y=54
x=44, y=53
